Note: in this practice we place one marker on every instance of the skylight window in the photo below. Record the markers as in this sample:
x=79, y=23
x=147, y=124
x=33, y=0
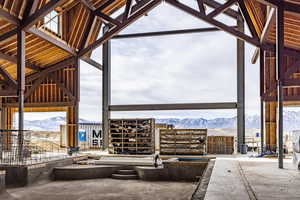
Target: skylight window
x=51, y=22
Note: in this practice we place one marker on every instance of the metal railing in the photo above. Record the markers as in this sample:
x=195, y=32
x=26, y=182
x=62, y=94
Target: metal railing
x=18, y=148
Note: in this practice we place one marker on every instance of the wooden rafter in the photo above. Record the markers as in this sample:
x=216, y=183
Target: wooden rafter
x=52, y=40
x=8, y=17
x=87, y=30
x=13, y=59
x=247, y=18
x=7, y=76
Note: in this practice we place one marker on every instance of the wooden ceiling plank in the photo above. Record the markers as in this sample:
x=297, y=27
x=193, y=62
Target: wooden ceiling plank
x=8, y=77
x=52, y=40
x=87, y=30
x=13, y=59
x=7, y=35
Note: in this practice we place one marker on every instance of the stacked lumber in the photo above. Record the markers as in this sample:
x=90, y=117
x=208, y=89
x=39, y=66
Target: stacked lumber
x=183, y=141
x=220, y=144
x=131, y=136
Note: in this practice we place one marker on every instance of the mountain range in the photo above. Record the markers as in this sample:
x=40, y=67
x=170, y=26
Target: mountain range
x=291, y=122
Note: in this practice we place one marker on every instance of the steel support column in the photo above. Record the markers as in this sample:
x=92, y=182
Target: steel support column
x=240, y=86
x=106, y=90
x=21, y=86
x=1, y=115
x=279, y=76
x=262, y=85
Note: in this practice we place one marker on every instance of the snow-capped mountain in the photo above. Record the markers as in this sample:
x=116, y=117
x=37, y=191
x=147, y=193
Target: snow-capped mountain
x=291, y=122
x=50, y=124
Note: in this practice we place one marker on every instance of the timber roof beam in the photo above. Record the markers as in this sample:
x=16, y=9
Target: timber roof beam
x=13, y=59
x=7, y=76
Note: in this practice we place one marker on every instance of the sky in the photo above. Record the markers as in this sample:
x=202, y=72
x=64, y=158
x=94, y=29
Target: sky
x=192, y=68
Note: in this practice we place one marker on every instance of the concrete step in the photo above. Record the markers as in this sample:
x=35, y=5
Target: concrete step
x=125, y=177
x=127, y=172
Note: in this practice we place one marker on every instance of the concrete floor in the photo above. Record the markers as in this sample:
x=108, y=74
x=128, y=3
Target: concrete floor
x=239, y=177
x=271, y=183
x=104, y=189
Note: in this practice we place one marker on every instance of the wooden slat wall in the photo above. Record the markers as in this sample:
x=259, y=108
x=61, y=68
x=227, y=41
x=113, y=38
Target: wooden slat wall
x=183, y=141
x=49, y=92
x=220, y=144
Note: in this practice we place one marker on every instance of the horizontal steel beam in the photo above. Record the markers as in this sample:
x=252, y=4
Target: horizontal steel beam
x=163, y=33
x=183, y=106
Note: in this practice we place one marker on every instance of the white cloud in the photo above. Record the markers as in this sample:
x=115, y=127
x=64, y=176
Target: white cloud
x=176, y=69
